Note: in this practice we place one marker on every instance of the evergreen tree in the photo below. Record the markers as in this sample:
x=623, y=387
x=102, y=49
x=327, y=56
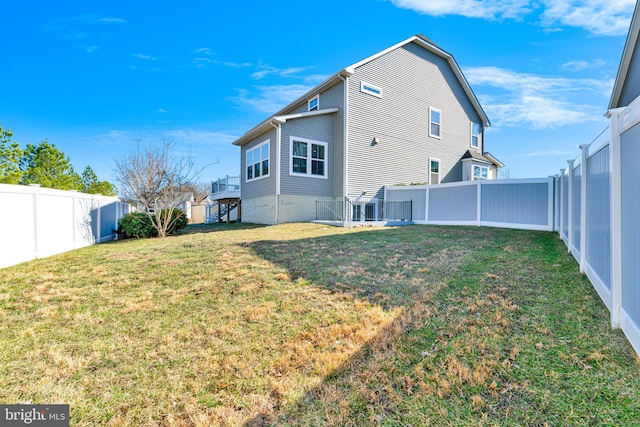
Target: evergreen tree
x=10, y=154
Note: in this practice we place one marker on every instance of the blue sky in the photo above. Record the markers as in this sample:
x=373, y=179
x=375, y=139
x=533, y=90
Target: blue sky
x=94, y=77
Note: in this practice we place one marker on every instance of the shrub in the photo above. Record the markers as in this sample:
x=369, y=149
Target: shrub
x=141, y=225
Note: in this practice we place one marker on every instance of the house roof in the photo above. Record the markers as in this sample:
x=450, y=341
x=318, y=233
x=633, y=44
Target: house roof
x=419, y=39
x=627, y=54
x=484, y=157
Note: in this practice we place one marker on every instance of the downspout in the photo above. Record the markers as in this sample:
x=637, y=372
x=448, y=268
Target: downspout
x=278, y=156
x=345, y=142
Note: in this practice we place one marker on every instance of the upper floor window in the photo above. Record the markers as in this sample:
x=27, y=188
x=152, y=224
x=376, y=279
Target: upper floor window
x=475, y=135
x=258, y=161
x=308, y=158
x=435, y=122
x=314, y=103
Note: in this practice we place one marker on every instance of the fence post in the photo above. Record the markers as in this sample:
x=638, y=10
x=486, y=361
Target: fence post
x=562, y=206
x=583, y=207
x=426, y=205
x=36, y=197
x=550, y=198
x=570, y=206
x=99, y=221
x=616, y=222
x=479, y=203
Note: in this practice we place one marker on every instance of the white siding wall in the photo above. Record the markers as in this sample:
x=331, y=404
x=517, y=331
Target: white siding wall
x=412, y=79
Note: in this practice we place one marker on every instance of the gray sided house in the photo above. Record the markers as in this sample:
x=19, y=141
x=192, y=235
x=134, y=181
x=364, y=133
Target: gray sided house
x=627, y=85
x=404, y=115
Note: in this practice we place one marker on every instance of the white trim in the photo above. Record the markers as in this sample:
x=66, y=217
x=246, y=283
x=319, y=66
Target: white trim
x=479, y=202
x=317, y=108
x=535, y=227
x=434, y=159
x=583, y=208
x=439, y=136
x=478, y=136
x=308, y=158
x=253, y=163
x=550, y=200
x=630, y=329
x=370, y=89
x=598, y=284
x=616, y=223
x=629, y=117
x=283, y=119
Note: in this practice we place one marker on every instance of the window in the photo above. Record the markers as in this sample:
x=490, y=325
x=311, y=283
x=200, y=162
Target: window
x=434, y=171
x=370, y=89
x=435, y=117
x=480, y=172
x=475, y=135
x=308, y=158
x=258, y=161
x=314, y=103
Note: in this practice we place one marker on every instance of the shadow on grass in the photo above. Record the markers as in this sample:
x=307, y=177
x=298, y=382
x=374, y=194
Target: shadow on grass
x=217, y=227
x=468, y=304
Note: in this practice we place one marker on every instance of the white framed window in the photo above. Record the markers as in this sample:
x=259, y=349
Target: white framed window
x=370, y=89
x=308, y=157
x=480, y=172
x=314, y=103
x=475, y=135
x=434, y=170
x=435, y=122
x=258, y=161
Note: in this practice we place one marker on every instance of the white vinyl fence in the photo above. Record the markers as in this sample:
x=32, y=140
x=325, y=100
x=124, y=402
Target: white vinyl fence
x=593, y=204
x=39, y=222
x=514, y=203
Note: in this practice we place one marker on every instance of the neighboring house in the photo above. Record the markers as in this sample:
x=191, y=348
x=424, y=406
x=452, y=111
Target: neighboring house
x=627, y=86
x=404, y=115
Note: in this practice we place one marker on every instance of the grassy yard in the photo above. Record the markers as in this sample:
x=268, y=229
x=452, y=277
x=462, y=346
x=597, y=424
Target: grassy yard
x=304, y=324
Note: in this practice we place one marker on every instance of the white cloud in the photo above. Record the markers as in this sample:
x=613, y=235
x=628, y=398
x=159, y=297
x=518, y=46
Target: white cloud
x=204, y=51
x=601, y=17
x=269, y=99
x=141, y=56
x=90, y=49
x=549, y=153
x=112, y=21
x=541, y=102
x=266, y=70
x=233, y=64
x=488, y=9
x=576, y=66
x=162, y=110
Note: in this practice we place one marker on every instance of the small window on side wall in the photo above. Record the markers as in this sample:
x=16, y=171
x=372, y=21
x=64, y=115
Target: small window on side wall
x=435, y=122
x=434, y=171
x=475, y=135
x=314, y=103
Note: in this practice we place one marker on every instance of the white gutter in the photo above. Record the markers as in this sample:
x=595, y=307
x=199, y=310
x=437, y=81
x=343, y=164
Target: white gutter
x=278, y=138
x=345, y=136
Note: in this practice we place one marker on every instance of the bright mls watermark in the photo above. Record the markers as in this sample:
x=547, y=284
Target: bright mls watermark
x=34, y=415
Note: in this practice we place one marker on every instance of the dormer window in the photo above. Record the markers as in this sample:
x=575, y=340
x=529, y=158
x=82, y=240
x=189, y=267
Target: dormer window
x=314, y=103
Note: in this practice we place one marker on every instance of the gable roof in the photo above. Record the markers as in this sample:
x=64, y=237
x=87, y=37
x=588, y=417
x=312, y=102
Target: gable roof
x=627, y=54
x=419, y=39
x=485, y=157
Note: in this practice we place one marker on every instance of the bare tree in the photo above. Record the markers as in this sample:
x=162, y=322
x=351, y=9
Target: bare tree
x=156, y=181
x=201, y=190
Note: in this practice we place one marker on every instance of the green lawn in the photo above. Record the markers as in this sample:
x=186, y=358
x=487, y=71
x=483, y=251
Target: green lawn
x=304, y=324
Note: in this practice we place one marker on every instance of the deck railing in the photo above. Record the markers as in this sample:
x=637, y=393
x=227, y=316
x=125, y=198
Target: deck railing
x=361, y=210
x=226, y=188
